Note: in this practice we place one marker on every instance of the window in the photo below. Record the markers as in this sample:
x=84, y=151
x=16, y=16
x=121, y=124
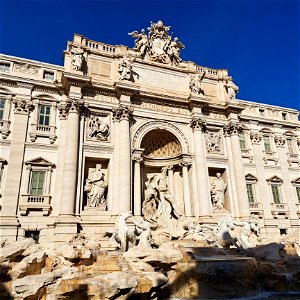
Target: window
x=275, y=193
x=44, y=115
x=4, y=67
x=267, y=143
x=49, y=75
x=250, y=192
x=242, y=139
x=261, y=112
x=298, y=192
x=289, y=143
x=284, y=116
x=37, y=183
x=34, y=234
x=2, y=102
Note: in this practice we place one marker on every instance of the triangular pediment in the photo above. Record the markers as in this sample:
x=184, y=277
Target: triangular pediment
x=39, y=161
x=275, y=179
x=297, y=180
x=250, y=177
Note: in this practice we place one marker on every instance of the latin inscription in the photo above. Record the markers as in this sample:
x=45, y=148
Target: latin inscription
x=161, y=79
x=158, y=107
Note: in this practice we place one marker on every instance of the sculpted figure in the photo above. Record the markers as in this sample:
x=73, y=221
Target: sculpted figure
x=77, y=58
x=159, y=206
x=144, y=233
x=248, y=228
x=231, y=89
x=122, y=234
x=213, y=141
x=218, y=187
x=125, y=69
x=195, y=84
x=141, y=41
x=222, y=232
x=174, y=51
x=99, y=128
x=95, y=187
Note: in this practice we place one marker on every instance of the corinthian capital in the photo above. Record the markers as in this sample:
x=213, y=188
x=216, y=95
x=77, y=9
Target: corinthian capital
x=279, y=141
x=22, y=105
x=255, y=137
x=198, y=124
x=69, y=105
x=231, y=128
x=122, y=113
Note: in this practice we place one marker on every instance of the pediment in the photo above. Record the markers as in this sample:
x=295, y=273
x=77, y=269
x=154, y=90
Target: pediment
x=297, y=180
x=275, y=179
x=39, y=161
x=250, y=177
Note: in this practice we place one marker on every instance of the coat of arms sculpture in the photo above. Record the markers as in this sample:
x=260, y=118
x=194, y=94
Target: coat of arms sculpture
x=158, y=44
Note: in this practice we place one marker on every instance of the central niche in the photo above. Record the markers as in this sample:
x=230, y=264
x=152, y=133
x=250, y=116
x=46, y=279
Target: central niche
x=161, y=143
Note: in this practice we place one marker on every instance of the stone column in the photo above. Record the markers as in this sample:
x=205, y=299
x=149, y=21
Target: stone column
x=11, y=193
x=171, y=180
x=124, y=113
x=232, y=130
x=201, y=168
x=137, y=187
x=287, y=183
x=186, y=189
x=69, y=180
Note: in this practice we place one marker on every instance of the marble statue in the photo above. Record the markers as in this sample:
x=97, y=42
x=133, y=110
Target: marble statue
x=98, y=128
x=195, y=83
x=248, y=228
x=158, y=45
x=159, y=206
x=218, y=187
x=143, y=230
x=77, y=58
x=222, y=233
x=231, y=89
x=125, y=68
x=123, y=235
x=213, y=141
x=95, y=187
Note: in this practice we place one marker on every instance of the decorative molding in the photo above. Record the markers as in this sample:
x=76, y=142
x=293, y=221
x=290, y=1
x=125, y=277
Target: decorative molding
x=275, y=179
x=98, y=149
x=250, y=177
x=198, y=124
x=279, y=141
x=255, y=137
x=122, y=113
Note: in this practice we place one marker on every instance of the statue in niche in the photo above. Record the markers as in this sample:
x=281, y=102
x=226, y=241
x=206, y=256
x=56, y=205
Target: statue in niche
x=125, y=68
x=218, y=188
x=95, y=187
x=77, y=58
x=98, y=127
x=248, y=228
x=231, y=89
x=213, y=141
x=159, y=206
x=195, y=83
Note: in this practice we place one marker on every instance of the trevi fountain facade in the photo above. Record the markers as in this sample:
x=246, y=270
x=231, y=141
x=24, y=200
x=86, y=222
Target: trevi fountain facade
x=137, y=150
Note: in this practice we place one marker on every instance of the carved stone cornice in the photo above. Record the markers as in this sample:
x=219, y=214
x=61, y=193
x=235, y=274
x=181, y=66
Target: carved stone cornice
x=22, y=106
x=198, y=124
x=71, y=79
x=279, y=141
x=25, y=85
x=124, y=88
x=137, y=155
x=122, y=113
x=231, y=129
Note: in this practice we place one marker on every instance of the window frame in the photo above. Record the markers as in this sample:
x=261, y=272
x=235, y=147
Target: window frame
x=44, y=114
x=31, y=188
x=5, y=63
x=267, y=137
x=243, y=142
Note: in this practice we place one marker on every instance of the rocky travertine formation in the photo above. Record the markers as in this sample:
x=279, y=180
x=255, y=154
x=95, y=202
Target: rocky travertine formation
x=180, y=269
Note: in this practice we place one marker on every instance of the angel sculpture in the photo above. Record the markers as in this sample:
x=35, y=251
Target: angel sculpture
x=174, y=50
x=140, y=42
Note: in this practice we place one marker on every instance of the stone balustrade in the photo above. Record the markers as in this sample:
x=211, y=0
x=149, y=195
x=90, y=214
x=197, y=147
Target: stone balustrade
x=42, y=130
x=279, y=209
x=35, y=202
x=100, y=46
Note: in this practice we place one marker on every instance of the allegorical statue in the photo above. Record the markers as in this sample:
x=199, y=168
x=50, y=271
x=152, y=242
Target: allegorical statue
x=125, y=68
x=95, y=187
x=77, y=58
x=195, y=83
x=231, y=89
x=98, y=127
x=218, y=187
x=140, y=42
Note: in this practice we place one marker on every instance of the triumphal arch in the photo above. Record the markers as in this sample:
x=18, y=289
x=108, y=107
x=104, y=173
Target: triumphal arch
x=119, y=129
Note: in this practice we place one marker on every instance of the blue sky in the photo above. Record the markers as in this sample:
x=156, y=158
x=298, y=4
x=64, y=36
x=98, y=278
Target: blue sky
x=257, y=41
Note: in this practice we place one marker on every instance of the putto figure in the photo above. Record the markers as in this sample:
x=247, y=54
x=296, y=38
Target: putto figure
x=95, y=187
x=158, y=45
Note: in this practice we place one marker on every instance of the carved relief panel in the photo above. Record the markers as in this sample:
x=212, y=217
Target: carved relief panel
x=98, y=127
x=213, y=139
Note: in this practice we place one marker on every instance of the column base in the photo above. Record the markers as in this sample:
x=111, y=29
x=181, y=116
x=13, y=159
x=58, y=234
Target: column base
x=9, y=228
x=65, y=227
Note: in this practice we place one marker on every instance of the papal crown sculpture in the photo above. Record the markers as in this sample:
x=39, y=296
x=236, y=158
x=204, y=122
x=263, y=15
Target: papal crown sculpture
x=158, y=45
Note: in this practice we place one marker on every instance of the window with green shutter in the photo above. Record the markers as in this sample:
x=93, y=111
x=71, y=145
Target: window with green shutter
x=2, y=102
x=250, y=192
x=267, y=143
x=242, y=139
x=44, y=115
x=275, y=193
x=37, y=183
x=298, y=192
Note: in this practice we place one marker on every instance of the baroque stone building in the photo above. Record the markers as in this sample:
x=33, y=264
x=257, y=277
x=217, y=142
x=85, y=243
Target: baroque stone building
x=83, y=142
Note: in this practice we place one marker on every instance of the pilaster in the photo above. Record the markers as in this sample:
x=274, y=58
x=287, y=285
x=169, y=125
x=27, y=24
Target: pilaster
x=186, y=162
x=137, y=185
